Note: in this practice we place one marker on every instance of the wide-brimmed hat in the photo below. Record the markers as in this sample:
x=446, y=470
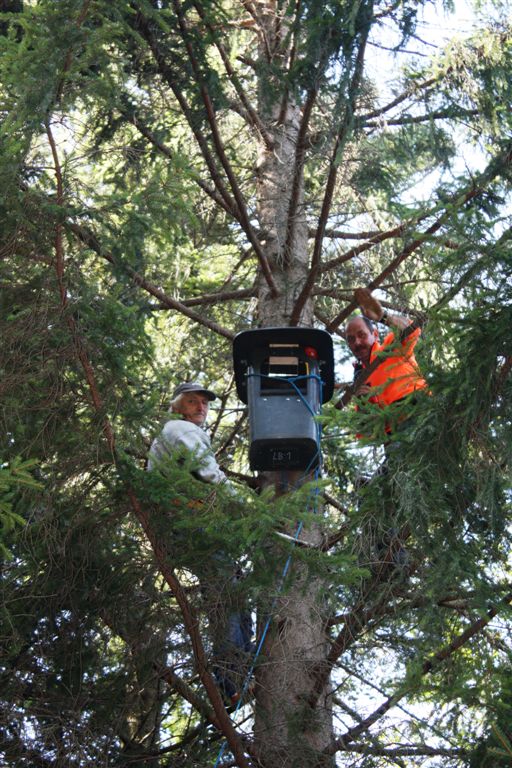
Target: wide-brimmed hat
x=192, y=386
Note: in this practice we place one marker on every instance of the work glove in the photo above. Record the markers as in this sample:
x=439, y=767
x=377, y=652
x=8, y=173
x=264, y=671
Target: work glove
x=370, y=306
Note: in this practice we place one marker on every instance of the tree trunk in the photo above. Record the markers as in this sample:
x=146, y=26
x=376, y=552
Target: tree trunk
x=287, y=253
x=287, y=732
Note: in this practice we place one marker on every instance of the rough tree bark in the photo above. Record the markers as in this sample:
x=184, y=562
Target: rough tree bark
x=287, y=731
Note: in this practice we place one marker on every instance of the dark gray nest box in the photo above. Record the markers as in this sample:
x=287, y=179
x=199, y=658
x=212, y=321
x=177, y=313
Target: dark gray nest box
x=284, y=375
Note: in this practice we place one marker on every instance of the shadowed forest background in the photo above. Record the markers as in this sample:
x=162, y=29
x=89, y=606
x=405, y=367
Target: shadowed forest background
x=173, y=173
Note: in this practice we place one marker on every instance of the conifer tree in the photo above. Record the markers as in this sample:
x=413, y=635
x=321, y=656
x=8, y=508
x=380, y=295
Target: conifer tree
x=171, y=174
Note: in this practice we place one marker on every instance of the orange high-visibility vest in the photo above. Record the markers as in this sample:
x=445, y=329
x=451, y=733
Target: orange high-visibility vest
x=398, y=374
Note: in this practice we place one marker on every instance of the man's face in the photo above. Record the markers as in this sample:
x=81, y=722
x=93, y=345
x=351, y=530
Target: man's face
x=193, y=406
x=360, y=339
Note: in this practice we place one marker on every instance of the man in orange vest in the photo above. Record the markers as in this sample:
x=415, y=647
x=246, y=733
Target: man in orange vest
x=392, y=374
x=393, y=371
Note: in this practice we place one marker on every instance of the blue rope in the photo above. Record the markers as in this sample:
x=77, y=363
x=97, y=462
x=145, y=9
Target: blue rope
x=291, y=380
x=267, y=624
x=308, y=406
x=295, y=539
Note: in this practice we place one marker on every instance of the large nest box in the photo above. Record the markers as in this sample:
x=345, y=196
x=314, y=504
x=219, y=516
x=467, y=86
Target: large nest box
x=284, y=375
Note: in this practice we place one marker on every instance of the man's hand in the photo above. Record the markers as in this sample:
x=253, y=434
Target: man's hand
x=370, y=306
x=362, y=390
x=373, y=310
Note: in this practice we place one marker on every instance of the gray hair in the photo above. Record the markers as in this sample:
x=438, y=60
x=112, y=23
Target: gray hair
x=174, y=404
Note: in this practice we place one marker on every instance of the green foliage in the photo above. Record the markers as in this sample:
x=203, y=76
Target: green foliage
x=397, y=154
x=506, y=751
x=159, y=158
x=495, y=748
x=17, y=475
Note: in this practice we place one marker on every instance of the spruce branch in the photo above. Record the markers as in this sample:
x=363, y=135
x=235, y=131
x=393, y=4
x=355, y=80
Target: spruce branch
x=176, y=683
x=168, y=75
x=222, y=407
x=430, y=665
x=15, y=749
x=215, y=298
x=233, y=433
x=472, y=270
x=221, y=153
x=399, y=99
x=375, y=239
x=414, y=750
x=333, y=501
x=90, y=239
x=363, y=615
x=456, y=202
x=342, y=235
x=502, y=375
x=69, y=54
x=78, y=342
x=223, y=201
x=459, y=604
x=325, y=322
x=251, y=116
x=441, y=114
x=191, y=621
x=173, y=680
